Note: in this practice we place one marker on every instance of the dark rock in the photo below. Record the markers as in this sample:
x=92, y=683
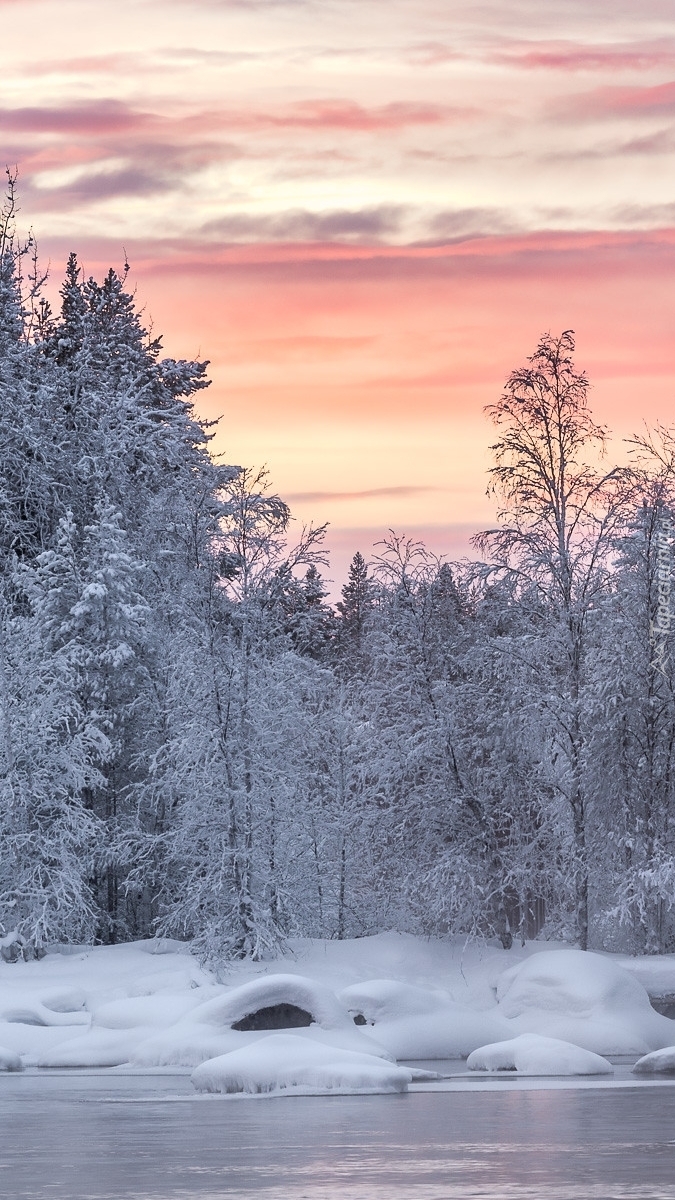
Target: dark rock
x=276, y=1016
x=11, y=953
x=664, y=1005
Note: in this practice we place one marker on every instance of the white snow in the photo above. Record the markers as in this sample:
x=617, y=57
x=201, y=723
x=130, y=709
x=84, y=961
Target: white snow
x=97, y=1048
x=414, y=1022
x=284, y=1062
x=9, y=1061
x=531, y=1054
x=389, y=999
x=582, y=998
x=659, y=1062
x=207, y=1030
x=656, y=972
x=150, y=1004
x=304, y=993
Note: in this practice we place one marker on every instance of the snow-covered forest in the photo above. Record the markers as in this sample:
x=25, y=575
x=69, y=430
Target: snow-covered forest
x=195, y=742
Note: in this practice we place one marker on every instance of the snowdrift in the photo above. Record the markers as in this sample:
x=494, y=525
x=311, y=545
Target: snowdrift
x=531, y=1054
x=271, y=991
x=389, y=997
x=9, y=1061
x=659, y=1062
x=582, y=998
x=245, y=1014
x=414, y=1022
x=284, y=1062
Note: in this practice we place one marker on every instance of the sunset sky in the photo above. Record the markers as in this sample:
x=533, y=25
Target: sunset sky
x=364, y=213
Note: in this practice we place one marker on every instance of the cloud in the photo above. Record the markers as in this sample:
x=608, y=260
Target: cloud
x=242, y=4
x=369, y=494
x=133, y=63
x=121, y=168
x=619, y=102
x=645, y=216
x=107, y=117
x=431, y=54
x=299, y=225
x=470, y=222
x=93, y=64
x=339, y=114
x=661, y=142
x=579, y=56
x=94, y=118
x=568, y=257
x=302, y=348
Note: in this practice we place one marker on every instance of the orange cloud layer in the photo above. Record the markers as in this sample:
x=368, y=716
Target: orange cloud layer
x=364, y=219
x=360, y=374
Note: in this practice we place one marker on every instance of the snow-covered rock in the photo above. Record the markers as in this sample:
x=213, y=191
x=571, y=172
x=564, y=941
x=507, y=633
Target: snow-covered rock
x=531, y=1054
x=656, y=972
x=389, y=1000
x=659, y=1062
x=414, y=1022
x=61, y=1008
x=9, y=1061
x=151, y=1004
x=97, y=1048
x=582, y=998
x=286, y=1063
x=215, y=1027
x=157, y=1011
x=268, y=991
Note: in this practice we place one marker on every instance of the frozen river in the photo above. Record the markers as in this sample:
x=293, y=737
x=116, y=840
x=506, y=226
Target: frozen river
x=115, y=1137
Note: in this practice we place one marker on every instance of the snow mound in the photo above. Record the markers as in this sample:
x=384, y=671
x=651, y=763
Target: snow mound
x=285, y=1063
x=414, y=1022
x=187, y=1044
x=9, y=1061
x=582, y=998
x=158, y=1010
x=253, y=1011
x=272, y=991
x=531, y=1054
x=387, y=1000
x=95, y=1048
x=659, y=1062
x=52, y=1008
x=184, y=1045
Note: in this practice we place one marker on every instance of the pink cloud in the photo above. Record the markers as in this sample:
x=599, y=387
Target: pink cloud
x=93, y=64
x=657, y=101
x=403, y=491
x=579, y=56
x=333, y=114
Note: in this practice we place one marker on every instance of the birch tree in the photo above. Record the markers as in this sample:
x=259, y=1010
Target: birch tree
x=559, y=517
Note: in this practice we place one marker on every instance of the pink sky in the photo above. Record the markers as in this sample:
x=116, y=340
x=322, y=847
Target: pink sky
x=364, y=212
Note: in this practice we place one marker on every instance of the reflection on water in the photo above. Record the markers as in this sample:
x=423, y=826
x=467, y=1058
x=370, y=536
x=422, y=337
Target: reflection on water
x=114, y=1137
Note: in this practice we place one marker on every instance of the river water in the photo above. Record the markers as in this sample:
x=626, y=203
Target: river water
x=106, y=1136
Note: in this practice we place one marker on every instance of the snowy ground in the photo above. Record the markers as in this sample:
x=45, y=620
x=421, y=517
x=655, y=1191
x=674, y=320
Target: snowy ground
x=368, y=1004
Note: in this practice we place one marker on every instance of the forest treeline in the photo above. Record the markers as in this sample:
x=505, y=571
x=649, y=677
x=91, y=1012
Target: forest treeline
x=195, y=742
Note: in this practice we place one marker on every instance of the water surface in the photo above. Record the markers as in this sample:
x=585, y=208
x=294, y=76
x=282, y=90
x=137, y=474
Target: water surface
x=110, y=1136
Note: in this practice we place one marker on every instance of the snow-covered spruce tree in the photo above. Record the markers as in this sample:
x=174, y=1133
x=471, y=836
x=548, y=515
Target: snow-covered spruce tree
x=144, y=490
x=52, y=753
x=97, y=432
x=353, y=609
x=34, y=451
x=557, y=527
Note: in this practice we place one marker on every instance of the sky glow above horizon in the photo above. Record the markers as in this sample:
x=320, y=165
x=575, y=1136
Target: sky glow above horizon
x=364, y=213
